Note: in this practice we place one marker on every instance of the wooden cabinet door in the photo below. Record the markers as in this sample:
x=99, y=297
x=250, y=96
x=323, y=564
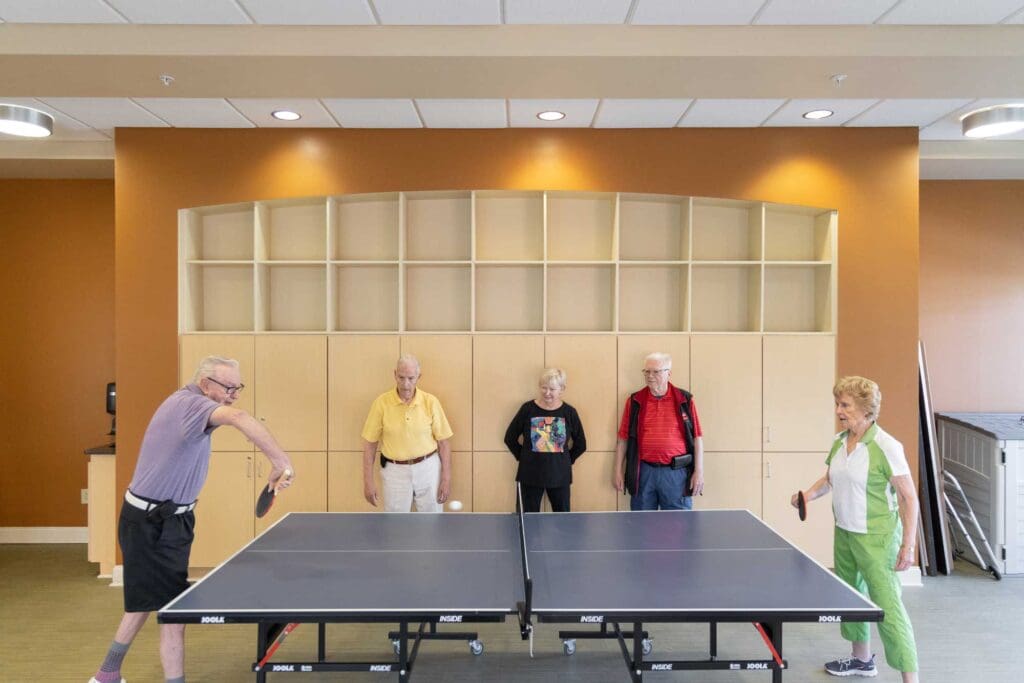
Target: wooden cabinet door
x=345, y=482
x=224, y=514
x=731, y=481
x=592, y=483
x=725, y=378
x=784, y=475
x=446, y=367
x=307, y=494
x=494, y=481
x=291, y=389
x=241, y=347
x=590, y=365
x=506, y=371
x=799, y=372
x=360, y=368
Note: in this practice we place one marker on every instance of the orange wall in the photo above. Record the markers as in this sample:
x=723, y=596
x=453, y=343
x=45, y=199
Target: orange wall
x=870, y=175
x=56, y=343
x=972, y=293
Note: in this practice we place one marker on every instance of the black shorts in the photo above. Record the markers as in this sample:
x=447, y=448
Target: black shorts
x=156, y=553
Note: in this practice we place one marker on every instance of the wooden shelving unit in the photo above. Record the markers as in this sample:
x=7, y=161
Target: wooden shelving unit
x=491, y=261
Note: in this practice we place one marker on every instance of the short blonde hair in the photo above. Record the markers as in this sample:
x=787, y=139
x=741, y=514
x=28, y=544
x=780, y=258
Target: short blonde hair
x=864, y=392
x=553, y=376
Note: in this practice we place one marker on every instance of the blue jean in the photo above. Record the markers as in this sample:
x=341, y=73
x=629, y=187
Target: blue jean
x=662, y=488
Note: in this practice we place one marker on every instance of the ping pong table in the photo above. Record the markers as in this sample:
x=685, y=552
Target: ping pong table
x=596, y=570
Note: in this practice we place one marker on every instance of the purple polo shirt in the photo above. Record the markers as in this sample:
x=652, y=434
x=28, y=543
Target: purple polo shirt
x=175, y=453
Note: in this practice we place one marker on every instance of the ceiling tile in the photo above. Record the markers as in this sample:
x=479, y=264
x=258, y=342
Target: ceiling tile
x=578, y=113
x=64, y=127
x=309, y=12
x=195, y=112
x=951, y=12
x=181, y=12
x=950, y=128
x=58, y=12
x=729, y=113
x=640, y=113
x=258, y=110
x=566, y=11
x=438, y=12
x=378, y=113
x=463, y=113
x=791, y=113
x=105, y=113
x=821, y=12
x=706, y=12
x=906, y=112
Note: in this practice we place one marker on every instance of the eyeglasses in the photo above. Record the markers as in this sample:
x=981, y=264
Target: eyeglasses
x=232, y=391
x=651, y=373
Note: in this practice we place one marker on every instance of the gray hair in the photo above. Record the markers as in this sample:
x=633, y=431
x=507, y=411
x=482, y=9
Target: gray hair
x=663, y=360
x=864, y=392
x=408, y=359
x=211, y=363
x=553, y=376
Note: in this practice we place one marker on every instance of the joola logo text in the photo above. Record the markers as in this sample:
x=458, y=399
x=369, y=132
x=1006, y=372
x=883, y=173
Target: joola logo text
x=661, y=667
x=211, y=620
x=829, y=619
x=756, y=665
x=282, y=667
x=450, y=618
x=380, y=667
x=591, y=620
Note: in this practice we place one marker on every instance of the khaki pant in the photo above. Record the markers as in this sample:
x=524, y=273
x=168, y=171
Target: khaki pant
x=404, y=484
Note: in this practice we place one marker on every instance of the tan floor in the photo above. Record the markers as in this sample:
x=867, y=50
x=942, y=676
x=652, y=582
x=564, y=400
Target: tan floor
x=57, y=621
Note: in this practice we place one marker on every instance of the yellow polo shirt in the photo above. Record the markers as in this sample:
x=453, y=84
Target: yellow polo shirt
x=406, y=431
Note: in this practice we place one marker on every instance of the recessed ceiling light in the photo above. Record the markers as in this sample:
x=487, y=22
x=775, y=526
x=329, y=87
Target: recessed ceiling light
x=816, y=114
x=286, y=115
x=992, y=121
x=551, y=116
x=25, y=122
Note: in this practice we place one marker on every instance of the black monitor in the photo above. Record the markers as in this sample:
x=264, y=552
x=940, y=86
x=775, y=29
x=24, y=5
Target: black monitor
x=112, y=405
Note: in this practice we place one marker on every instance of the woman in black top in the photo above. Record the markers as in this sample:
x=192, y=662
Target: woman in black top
x=546, y=437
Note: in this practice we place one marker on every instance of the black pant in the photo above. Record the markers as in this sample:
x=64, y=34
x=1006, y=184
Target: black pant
x=558, y=497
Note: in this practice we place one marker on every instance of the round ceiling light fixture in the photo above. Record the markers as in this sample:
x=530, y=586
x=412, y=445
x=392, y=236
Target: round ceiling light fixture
x=989, y=122
x=286, y=115
x=25, y=122
x=817, y=114
x=551, y=116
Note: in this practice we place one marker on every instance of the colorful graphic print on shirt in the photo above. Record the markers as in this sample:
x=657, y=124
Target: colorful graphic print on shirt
x=547, y=434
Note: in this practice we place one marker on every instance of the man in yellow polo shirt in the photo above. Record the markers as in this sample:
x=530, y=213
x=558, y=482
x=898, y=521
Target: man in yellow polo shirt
x=415, y=452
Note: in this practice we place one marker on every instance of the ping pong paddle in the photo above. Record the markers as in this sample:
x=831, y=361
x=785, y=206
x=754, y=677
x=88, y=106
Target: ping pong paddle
x=801, y=505
x=267, y=496
x=276, y=644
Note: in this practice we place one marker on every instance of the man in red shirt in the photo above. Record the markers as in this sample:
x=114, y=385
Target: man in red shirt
x=660, y=443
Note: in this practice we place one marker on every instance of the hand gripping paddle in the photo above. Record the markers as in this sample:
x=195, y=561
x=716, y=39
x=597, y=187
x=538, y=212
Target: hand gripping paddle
x=267, y=495
x=801, y=505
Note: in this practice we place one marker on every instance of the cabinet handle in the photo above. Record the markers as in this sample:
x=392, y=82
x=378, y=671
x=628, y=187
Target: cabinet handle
x=248, y=467
x=768, y=470
x=768, y=434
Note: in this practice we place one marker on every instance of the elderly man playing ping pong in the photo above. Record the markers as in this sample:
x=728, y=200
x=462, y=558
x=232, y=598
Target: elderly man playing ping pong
x=414, y=436
x=155, y=529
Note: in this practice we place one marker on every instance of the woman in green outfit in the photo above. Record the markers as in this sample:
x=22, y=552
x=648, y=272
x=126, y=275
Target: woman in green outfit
x=875, y=505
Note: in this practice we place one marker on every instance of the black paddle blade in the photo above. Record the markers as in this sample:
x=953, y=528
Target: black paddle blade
x=801, y=505
x=265, y=500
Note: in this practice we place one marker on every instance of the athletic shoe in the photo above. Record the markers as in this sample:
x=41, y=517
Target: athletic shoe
x=93, y=680
x=851, y=666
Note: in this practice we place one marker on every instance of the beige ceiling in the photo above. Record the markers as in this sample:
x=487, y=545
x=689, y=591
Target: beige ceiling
x=910, y=69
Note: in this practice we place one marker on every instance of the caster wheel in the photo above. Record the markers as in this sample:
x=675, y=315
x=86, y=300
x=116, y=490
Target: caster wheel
x=569, y=647
x=647, y=646
x=476, y=647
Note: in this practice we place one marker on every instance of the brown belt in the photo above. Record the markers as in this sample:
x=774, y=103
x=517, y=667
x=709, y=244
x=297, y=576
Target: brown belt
x=410, y=461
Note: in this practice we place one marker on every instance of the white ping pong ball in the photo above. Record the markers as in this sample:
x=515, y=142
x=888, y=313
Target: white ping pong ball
x=454, y=505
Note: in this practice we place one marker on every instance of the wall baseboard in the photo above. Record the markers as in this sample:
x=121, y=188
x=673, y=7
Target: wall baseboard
x=44, y=534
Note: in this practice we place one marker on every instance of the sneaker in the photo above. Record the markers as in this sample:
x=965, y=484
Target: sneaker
x=93, y=680
x=851, y=666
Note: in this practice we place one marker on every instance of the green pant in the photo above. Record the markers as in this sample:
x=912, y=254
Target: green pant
x=866, y=561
